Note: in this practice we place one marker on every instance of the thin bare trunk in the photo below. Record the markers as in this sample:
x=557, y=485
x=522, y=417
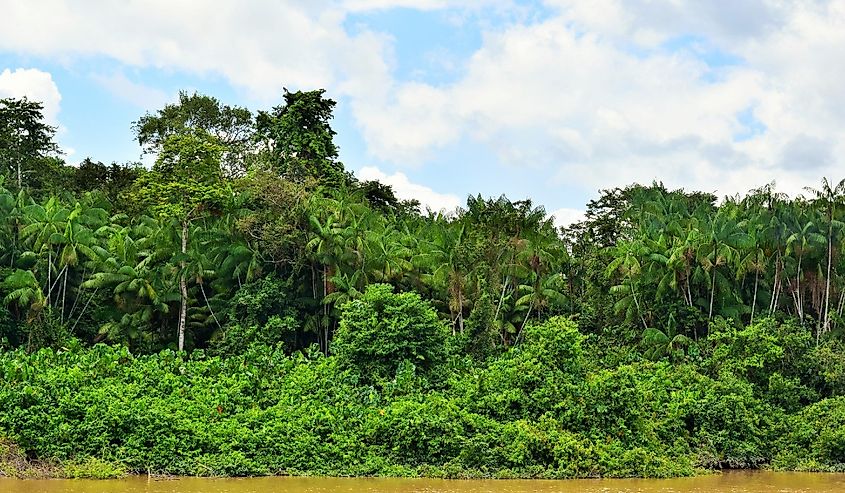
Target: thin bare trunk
x=202, y=289
x=775, y=285
x=712, y=294
x=519, y=334
x=460, y=311
x=183, y=289
x=325, y=311
x=637, y=304
x=84, y=308
x=754, y=301
x=56, y=281
x=501, y=298
x=689, y=293
x=49, y=264
x=794, y=300
x=827, y=279
x=798, y=289
x=76, y=299
x=64, y=296
x=841, y=303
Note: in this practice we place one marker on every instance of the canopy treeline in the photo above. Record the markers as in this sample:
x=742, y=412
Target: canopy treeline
x=239, y=203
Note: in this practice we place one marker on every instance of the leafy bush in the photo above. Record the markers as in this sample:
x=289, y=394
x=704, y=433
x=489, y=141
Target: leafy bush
x=383, y=329
x=815, y=438
x=538, y=410
x=93, y=468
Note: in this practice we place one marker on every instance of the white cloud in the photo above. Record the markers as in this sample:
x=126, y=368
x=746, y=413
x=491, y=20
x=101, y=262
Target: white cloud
x=598, y=94
x=365, y=5
x=257, y=46
x=407, y=190
x=36, y=85
x=591, y=98
x=141, y=95
x=564, y=217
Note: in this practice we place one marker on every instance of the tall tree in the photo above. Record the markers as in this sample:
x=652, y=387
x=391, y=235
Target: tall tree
x=300, y=139
x=829, y=198
x=24, y=137
x=184, y=184
x=232, y=126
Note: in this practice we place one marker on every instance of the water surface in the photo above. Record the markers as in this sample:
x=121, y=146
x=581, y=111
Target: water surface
x=731, y=482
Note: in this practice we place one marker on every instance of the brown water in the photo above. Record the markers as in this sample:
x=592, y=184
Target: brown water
x=731, y=482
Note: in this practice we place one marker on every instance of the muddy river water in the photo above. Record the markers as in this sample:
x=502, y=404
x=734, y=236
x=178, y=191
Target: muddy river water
x=730, y=482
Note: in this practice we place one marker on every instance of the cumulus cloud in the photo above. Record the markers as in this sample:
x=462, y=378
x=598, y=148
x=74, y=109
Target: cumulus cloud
x=407, y=190
x=141, y=95
x=36, y=85
x=605, y=93
x=257, y=46
x=592, y=94
x=564, y=217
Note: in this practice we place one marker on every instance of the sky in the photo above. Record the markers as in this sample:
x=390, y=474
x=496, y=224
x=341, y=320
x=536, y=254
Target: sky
x=550, y=100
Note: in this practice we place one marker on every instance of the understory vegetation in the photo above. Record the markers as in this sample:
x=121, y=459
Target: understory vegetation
x=248, y=307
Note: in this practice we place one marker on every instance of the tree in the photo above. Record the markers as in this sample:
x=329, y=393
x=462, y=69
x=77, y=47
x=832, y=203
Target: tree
x=670, y=344
x=829, y=198
x=24, y=137
x=300, y=139
x=720, y=247
x=184, y=184
x=112, y=181
x=232, y=126
x=442, y=257
x=25, y=293
x=800, y=243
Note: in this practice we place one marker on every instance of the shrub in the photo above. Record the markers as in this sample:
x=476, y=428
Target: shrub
x=383, y=329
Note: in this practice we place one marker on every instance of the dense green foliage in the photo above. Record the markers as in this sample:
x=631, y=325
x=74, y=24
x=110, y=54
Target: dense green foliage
x=247, y=307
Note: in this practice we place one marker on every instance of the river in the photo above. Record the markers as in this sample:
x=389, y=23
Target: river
x=730, y=482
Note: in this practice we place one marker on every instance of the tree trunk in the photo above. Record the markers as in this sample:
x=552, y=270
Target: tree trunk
x=519, y=334
x=49, y=272
x=841, y=303
x=183, y=289
x=637, y=304
x=84, y=308
x=210, y=310
x=76, y=298
x=689, y=293
x=712, y=294
x=827, y=278
x=64, y=295
x=754, y=302
x=460, y=312
x=775, y=285
x=502, y=297
x=798, y=288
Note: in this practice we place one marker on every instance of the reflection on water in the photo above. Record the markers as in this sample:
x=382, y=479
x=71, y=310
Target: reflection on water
x=731, y=482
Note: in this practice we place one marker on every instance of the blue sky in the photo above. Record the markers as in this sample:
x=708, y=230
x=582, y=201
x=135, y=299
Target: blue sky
x=549, y=100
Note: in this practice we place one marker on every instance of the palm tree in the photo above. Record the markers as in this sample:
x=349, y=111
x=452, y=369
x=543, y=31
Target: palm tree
x=442, y=261
x=660, y=344
x=43, y=231
x=829, y=199
x=25, y=293
x=720, y=247
x=799, y=243
x=627, y=262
